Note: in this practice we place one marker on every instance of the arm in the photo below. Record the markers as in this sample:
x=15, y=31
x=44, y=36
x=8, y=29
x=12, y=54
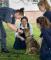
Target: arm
x=19, y=31
x=17, y=35
x=10, y=20
x=12, y=26
x=18, y=27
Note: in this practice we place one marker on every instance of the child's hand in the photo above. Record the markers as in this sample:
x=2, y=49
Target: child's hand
x=20, y=31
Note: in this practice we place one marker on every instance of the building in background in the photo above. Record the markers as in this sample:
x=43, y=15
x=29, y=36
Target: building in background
x=29, y=5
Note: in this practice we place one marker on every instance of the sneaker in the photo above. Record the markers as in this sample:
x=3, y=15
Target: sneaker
x=5, y=50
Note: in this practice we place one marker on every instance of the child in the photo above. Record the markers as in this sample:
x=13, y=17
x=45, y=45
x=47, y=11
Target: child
x=45, y=8
x=20, y=39
x=45, y=26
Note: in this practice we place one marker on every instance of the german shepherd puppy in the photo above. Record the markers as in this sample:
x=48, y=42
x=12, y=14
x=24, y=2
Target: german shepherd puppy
x=31, y=44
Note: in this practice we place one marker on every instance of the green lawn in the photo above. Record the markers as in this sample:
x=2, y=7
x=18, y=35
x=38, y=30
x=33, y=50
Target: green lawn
x=18, y=55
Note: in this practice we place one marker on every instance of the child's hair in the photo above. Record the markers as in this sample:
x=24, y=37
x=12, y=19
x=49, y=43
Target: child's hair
x=45, y=2
x=21, y=11
x=24, y=17
x=43, y=21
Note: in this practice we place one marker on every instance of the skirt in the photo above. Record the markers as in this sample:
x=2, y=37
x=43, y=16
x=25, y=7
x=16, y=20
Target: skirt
x=19, y=45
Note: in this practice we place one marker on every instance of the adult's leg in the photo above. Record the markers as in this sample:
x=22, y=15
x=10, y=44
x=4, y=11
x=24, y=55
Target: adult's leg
x=3, y=40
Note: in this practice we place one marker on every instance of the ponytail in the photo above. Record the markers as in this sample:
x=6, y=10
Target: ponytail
x=21, y=11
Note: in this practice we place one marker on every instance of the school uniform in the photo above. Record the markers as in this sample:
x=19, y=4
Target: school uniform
x=5, y=16
x=45, y=51
x=48, y=15
x=19, y=44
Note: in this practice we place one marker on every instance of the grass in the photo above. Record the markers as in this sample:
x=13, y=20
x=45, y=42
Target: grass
x=18, y=55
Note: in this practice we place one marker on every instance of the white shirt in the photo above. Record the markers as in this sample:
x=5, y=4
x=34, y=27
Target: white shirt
x=21, y=26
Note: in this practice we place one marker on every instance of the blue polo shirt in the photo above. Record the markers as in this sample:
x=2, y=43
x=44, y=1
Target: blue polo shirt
x=48, y=15
x=6, y=15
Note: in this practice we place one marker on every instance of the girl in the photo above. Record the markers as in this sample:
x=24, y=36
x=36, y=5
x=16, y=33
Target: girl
x=45, y=8
x=45, y=26
x=20, y=39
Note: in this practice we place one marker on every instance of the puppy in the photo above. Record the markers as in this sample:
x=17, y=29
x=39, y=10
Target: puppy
x=31, y=44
